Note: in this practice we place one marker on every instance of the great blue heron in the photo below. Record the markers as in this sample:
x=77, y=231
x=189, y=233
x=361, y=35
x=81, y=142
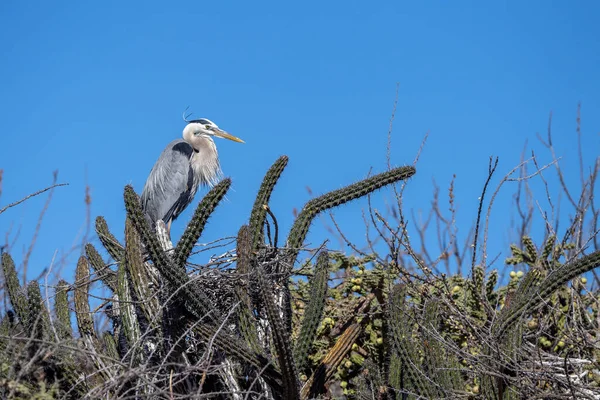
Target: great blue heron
x=182, y=167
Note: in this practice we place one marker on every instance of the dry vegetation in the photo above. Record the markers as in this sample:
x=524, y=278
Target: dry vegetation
x=380, y=322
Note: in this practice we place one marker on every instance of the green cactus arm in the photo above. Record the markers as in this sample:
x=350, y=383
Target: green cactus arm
x=38, y=324
x=395, y=375
x=178, y=281
x=61, y=309
x=110, y=345
x=106, y=275
x=548, y=247
x=549, y=285
x=143, y=284
x=443, y=366
x=476, y=288
x=491, y=283
x=281, y=338
x=135, y=213
x=127, y=312
x=18, y=299
x=530, y=250
x=528, y=286
x=244, y=250
x=198, y=222
x=246, y=320
x=314, y=311
x=400, y=329
x=83, y=314
x=335, y=198
x=259, y=213
x=109, y=241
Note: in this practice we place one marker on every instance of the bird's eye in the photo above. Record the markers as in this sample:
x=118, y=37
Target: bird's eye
x=208, y=127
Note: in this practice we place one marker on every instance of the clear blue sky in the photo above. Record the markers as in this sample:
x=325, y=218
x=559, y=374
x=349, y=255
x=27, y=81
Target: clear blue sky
x=97, y=90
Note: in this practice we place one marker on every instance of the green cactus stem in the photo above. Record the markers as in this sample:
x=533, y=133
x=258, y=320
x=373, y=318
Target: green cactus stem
x=144, y=285
x=281, y=338
x=259, y=212
x=83, y=314
x=38, y=324
x=178, y=281
x=314, y=311
x=108, y=240
x=61, y=307
x=106, y=275
x=400, y=325
x=129, y=320
x=194, y=229
x=337, y=197
x=247, y=322
x=553, y=281
x=18, y=299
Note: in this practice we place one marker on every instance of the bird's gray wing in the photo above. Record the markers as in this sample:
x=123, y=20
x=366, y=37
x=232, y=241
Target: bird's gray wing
x=169, y=188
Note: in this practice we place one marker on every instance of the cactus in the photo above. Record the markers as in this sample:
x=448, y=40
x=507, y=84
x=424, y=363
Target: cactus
x=18, y=299
x=159, y=300
x=314, y=385
x=247, y=322
x=134, y=212
x=178, y=280
x=443, y=366
x=237, y=348
x=106, y=275
x=61, y=307
x=38, y=323
x=81, y=297
x=314, y=311
x=401, y=336
x=281, y=338
x=140, y=276
x=549, y=285
x=335, y=198
x=196, y=225
x=259, y=212
x=108, y=240
x=131, y=327
x=363, y=335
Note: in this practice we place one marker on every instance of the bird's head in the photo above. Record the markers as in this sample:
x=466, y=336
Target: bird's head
x=203, y=127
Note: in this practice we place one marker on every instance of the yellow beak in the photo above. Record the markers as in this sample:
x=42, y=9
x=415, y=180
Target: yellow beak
x=225, y=135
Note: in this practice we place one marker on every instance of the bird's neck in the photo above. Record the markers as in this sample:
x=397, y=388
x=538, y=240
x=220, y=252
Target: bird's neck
x=205, y=161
